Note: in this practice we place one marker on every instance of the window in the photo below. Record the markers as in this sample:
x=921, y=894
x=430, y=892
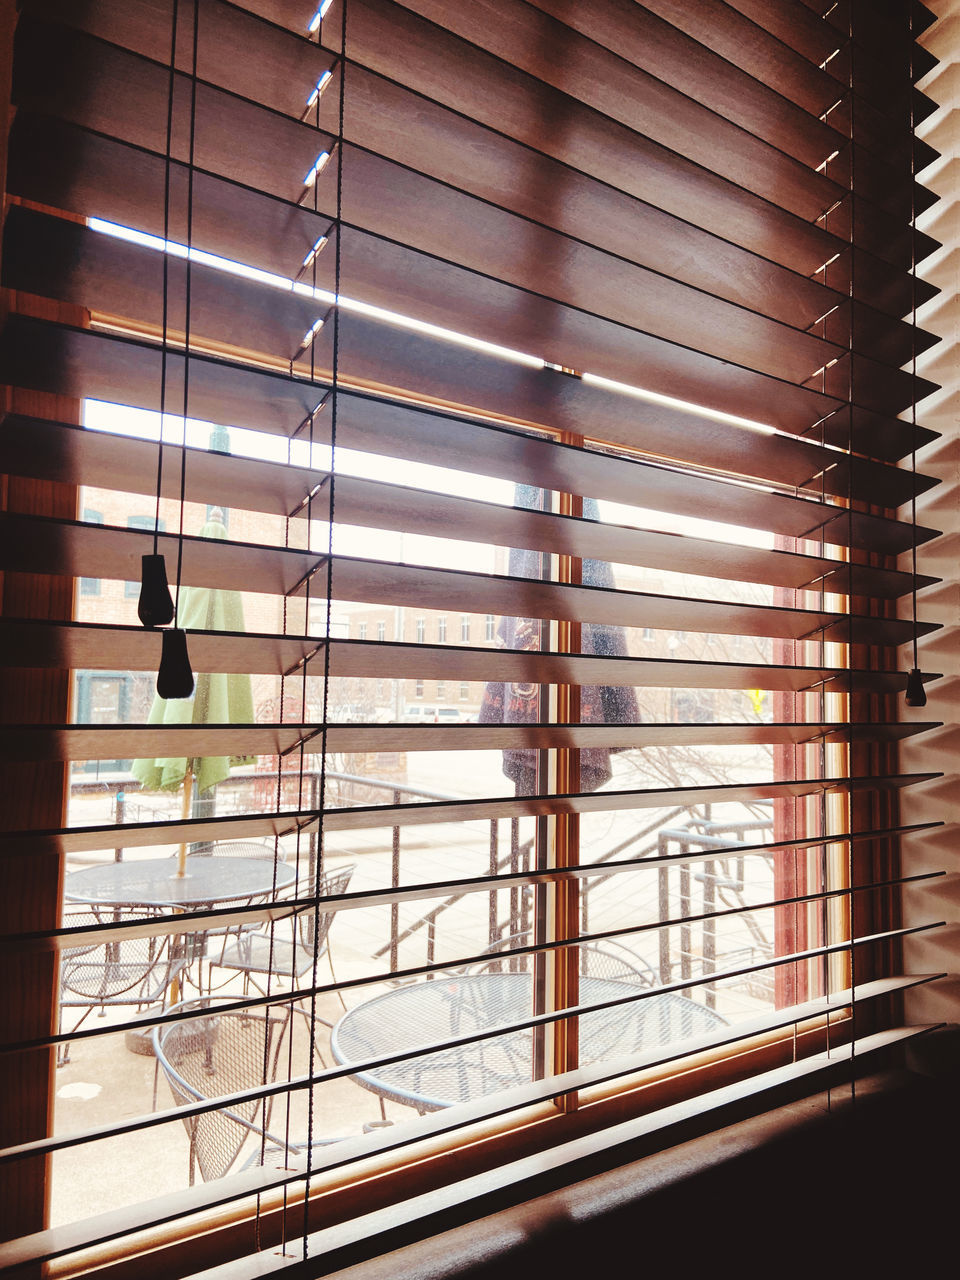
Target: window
x=131, y=590
x=91, y=586
x=103, y=697
x=682, y=407
x=441, y=689
x=442, y=630
x=361, y=631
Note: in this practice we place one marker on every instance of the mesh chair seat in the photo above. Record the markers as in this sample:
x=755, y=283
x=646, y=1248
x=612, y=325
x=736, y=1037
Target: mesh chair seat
x=258, y=953
x=85, y=980
x=288, y=949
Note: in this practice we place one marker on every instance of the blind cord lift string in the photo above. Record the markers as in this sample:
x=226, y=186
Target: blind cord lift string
x=156, y=609
x=915, y=693
x=317, y=865
x=175, y=678
x=851, y=495
x=155, y=606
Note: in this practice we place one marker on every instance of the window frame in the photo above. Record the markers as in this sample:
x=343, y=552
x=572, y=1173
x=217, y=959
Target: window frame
x=495, y=1145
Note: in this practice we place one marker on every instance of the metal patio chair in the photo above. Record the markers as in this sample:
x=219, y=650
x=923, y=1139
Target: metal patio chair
x=219, y=1053
x=597, y=960
x=286, y=951
x=132, y=971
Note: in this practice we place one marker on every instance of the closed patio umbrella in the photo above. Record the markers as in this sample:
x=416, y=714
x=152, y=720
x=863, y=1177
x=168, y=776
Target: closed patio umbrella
x=218, y=698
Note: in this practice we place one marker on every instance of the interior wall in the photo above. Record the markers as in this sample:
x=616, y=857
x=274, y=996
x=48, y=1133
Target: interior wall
x=940, y=509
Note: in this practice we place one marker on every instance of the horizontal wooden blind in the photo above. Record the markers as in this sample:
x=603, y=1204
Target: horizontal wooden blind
x=649, y=265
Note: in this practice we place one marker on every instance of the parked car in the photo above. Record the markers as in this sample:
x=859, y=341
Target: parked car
x=417, y=714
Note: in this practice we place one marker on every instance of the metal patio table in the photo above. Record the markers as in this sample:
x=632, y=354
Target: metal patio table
x=463, y=1005
x=153, y=882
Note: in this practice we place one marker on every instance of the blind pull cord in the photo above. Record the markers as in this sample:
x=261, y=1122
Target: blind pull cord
x=175, y=676
x=916, y=695
x=155, y=606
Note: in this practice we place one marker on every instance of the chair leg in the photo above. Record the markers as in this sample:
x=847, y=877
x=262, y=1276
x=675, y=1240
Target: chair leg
x=343, y=1003
x=62, y=1061
x=63, y=1051
x=305, y=1014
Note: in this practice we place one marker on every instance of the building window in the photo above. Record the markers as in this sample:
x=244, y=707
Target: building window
x=419, y=688
x=441, y=689
x=442, y=630
x=421, y=630
x=490, y=628
x=464, y=690
x=91, y=586
x=131, y=590
x=464, y=629
x=361, y=631
x=381, y=631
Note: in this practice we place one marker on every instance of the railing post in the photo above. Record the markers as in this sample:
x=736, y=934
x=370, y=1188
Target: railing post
x=492, y=928
x=525, y=897
x=710, y=929
x=119, y=809
x=663, y=908
x=395, y=906
x=514, y=868
x=685, y=952
x=314, y=807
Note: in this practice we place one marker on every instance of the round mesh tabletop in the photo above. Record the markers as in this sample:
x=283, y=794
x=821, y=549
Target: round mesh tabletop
x=154, y=881
x=445, y=1008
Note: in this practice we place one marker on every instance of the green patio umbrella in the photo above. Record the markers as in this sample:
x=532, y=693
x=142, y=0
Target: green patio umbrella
x=218, y=698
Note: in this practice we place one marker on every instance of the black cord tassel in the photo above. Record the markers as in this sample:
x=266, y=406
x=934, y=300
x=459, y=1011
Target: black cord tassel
x=916, y=694
x=155, y=608
x=175, y=677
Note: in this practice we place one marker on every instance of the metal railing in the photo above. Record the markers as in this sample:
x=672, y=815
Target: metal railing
x=720, y=879
x=700, y=834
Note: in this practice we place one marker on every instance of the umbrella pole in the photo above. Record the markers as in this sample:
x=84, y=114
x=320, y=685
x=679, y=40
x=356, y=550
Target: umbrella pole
x=184, y=814
x=174, y=993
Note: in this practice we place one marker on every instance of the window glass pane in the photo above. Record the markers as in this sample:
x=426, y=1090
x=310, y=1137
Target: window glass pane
x=704, y=918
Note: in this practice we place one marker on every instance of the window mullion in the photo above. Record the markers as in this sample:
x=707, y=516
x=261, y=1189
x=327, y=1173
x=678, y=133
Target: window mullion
x=565, y=845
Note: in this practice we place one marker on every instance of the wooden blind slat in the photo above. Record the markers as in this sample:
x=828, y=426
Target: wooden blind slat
x=100, y=646
x=103, y=460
